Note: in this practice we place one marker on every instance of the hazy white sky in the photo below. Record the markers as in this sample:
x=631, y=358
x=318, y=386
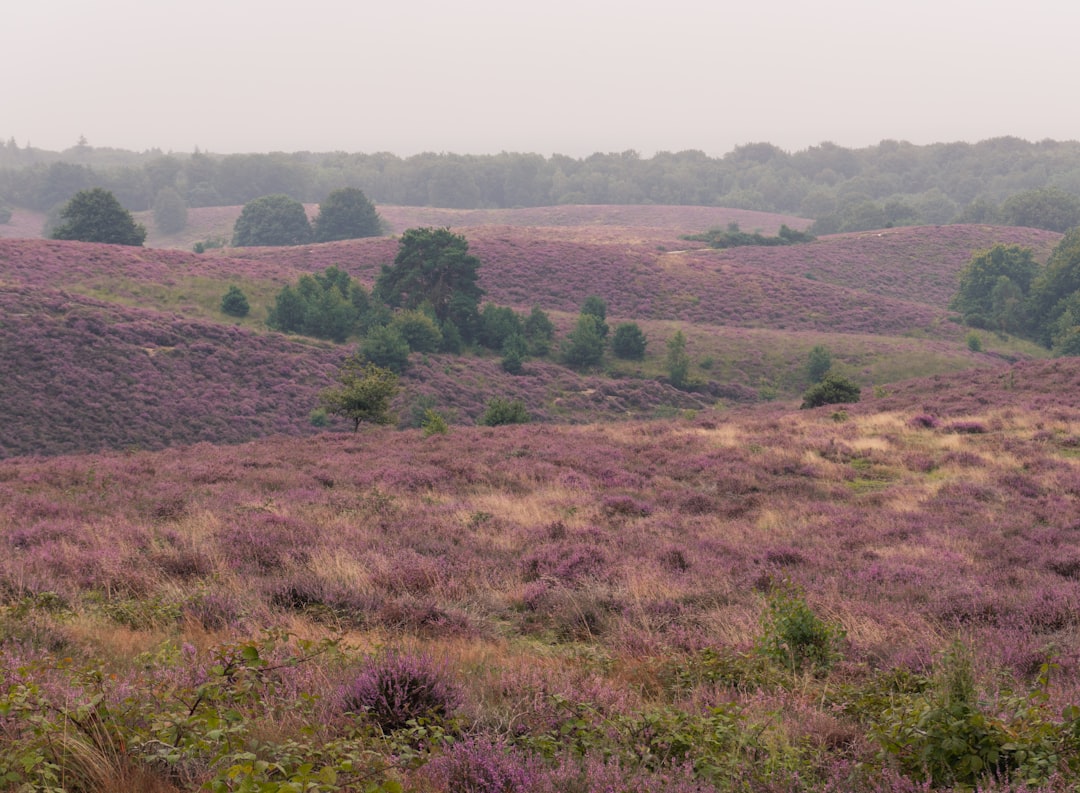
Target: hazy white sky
x=560, y=76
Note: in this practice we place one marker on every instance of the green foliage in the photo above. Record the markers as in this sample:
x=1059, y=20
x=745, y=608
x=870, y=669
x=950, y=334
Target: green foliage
x=1044, y=208
x=419, y=331
x=584, y=346
x=596, y=307
x=628, y=342
x=973, y=341
x=677, y=360
x=1053, y=308
x=504, y=411
x=363, y=393
x=818, y=364
x=993, y=287
x=346, y=214
x=514, y=352
x=796, y=638
x=731, y=237
x=945, y=735
x=386, y=347
x=323, y=305
x=235, y=302
x=539, y=332
x=170, y=211
x=497, y=324
x=96, y=216
x=433, y=267
x=272, y=220
x=434, y=423
x=832, y=390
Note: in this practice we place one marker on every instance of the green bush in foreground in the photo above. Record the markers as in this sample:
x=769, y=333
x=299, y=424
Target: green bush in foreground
x=832, y=390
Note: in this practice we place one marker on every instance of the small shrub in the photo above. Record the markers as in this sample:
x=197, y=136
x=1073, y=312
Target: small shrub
x=235, y=303
x=629, y=342
x=397, y=688
x=974, y=342
x=319, y=417
x=796, y=638
x=833, y=389
x=434, y=423
x=503, y=411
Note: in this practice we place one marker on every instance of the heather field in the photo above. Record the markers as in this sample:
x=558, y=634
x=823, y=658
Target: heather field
x=883, y=597
x=141, y=330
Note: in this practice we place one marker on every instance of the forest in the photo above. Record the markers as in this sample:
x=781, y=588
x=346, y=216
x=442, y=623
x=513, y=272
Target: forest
x=1001, y=180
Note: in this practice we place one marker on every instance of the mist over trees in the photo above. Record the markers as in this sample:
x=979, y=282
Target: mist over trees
x=1001, y=180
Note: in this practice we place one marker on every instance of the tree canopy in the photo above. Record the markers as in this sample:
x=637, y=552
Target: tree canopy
x=363, y=393
x=346, y=214
x=434, y=268
x=272, y=220
x=96, y=216
x=993, y=286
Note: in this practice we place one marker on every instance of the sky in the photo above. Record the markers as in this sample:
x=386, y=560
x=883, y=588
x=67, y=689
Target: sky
x=569, y=77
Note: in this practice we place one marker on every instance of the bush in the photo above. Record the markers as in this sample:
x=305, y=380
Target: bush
x=235, y=303
x=833, y=389
x=503, y=411
x=974, y=342
x=628, y=342
x=419, y=331
x=386, y=347
x=584, y=347
x=346, y=214
x=514, y=352
x=396, y=689
x=796, y=638
x=539, y=332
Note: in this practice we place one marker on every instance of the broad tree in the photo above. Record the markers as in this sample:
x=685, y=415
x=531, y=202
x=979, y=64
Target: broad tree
x=363, y=393
x=434, y=268
x=984, y=298
x=346, y=214
x=272, y=220
x=96, y=216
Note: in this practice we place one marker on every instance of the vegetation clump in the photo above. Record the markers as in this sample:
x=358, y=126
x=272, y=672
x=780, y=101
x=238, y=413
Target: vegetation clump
x=833, y=389
x=272, y=220
x=96, y=216
x=363, y=393
x=235, y=302
x=732, y=237
x=501, y=411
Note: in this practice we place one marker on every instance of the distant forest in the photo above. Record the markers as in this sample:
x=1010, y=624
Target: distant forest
x=1001, y=180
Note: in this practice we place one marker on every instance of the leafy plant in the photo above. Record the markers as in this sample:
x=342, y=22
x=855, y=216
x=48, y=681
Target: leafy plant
x=833, y=389
x=235, y=303
x=795, y=637
x=504, y=411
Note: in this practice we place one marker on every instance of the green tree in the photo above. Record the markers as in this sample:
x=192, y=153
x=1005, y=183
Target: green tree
x=346, y=214
x=497, y=324
x=678, y=361
x=419, y=331
x=1045, y=208
x=980, y=281
x=818, y=363
x=96, y=216
x=272, y=220
x=433, y=267
x=1052, y=290
x=598, y=308
x=514, y=352
x=584, y=347
x=363, y=394
x=386, y=347
x=628, y=342
x=833, y=389
x=170, y=211
x=235, y=303
x=539, y=332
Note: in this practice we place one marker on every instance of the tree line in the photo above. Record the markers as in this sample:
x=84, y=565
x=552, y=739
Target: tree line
x=1002, y=180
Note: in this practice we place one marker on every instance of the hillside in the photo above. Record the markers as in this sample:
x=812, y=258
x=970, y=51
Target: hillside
x=141, y=328
x=747, y=600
